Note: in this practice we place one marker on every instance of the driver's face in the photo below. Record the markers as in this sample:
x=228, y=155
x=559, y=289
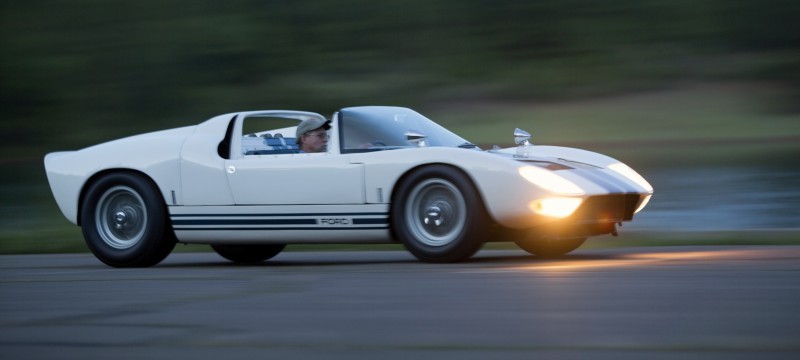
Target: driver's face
x=315, y=141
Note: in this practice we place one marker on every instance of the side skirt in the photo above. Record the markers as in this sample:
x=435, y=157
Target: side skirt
x=284, y=224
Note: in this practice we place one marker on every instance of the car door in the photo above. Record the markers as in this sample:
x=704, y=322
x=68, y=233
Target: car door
x=301, y=179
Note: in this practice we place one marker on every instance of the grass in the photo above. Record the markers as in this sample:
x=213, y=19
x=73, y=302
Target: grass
x=696, y=125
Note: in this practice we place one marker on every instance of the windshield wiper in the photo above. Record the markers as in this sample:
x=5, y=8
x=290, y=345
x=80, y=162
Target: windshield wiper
x=467, y=145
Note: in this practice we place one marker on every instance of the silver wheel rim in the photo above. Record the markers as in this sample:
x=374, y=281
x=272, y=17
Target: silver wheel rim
x=121, y=217
x=436, y=212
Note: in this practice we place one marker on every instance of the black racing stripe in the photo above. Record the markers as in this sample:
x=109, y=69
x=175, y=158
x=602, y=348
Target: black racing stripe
x=283, y=215
x=246, y=222
x=606, y=181
x=282, y=228
x=370, y=221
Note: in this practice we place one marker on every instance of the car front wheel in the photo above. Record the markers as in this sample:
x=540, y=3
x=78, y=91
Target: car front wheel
x=124, y=221
x=438, y=215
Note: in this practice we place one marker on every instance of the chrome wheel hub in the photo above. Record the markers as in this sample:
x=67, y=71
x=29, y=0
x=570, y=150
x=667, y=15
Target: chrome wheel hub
x=433, y=215
x=125, y=217
x=121, y=217
x=436, y=212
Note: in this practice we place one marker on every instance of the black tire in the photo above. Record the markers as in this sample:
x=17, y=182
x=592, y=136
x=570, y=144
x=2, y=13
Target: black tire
x=248, y=254
x=124, y=221
x=549, y=248
x=438, y=215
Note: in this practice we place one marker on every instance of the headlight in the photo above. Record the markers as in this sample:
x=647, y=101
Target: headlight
x=555, y=207
x=549, y=180
x=632, y=175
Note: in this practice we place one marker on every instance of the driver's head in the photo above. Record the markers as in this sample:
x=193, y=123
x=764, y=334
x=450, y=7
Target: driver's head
x=312, y=135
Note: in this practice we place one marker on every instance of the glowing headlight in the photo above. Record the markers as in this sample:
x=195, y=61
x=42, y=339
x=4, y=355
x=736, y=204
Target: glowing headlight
x=549, y=181
x=555, y=207
x=632, y=175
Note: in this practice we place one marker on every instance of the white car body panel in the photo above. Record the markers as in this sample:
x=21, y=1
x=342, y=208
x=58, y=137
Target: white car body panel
x=295, y=179
x=155, y=154
x=199, y=159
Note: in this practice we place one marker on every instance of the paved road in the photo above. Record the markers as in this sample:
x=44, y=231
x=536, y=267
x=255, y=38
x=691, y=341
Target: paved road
x=642, y=303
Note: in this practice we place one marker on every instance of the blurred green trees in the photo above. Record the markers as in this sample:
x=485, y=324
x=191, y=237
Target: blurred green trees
x=82, y=71
x=78, y=72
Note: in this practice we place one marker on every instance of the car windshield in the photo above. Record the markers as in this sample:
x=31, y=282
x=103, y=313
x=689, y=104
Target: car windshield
x=374, y=128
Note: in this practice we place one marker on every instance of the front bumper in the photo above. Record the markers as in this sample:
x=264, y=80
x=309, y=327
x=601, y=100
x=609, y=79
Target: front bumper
x=597, y=215
x=606, y=208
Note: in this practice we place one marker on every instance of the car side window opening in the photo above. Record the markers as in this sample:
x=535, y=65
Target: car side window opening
x=269, y=136
x=224, y=147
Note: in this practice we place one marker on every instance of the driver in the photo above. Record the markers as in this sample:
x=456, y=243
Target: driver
x=312, y=135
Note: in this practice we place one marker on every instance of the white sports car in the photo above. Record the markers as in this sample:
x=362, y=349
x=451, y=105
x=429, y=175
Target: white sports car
x=389, y=175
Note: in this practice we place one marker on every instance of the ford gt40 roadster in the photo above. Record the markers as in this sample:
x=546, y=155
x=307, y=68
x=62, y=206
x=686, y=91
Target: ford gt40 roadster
x=239, y=183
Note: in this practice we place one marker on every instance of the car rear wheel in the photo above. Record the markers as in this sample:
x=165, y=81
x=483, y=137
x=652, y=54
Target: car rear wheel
x=438, y=215
x=550, y=247
x=248, y=254
x=124, y=221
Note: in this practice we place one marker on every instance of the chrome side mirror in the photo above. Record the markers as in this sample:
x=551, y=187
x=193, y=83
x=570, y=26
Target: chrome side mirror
x=416, y=138
x=521, y=138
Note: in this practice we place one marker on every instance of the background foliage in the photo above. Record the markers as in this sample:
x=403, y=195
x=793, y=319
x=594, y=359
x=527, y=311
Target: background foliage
x=85, y=69
x=75, y=73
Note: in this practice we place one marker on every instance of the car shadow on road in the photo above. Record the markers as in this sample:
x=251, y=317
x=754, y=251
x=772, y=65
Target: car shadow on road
x=387, y=258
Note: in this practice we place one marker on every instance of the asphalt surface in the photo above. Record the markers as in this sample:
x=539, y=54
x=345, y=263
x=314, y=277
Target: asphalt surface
x=640, y=303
